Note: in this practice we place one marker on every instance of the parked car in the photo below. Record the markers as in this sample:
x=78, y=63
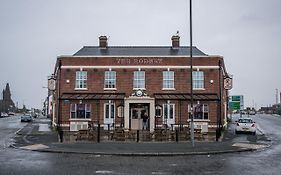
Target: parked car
x=11, y=113
x=4, y=114
x=26, y=118
x=246, y=125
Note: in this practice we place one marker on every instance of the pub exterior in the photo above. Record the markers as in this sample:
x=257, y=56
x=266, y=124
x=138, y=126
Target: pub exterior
x=116, y=86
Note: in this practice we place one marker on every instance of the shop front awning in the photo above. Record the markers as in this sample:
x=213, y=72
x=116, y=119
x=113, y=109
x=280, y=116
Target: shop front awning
x=93, y=96
x=187, y=96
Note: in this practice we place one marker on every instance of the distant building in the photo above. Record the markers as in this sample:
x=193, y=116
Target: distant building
x=6, y=103
x=117, y=86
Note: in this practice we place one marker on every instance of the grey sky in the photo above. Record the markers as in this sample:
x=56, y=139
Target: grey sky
x=246, y=32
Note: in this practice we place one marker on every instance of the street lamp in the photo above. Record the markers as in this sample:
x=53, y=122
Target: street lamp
x=191, y=76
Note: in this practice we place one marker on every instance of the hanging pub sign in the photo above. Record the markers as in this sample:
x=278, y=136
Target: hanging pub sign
x=228, y=83
x=51, y=84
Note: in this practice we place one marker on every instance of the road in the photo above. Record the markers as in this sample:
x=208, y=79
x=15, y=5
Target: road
x=266, y=161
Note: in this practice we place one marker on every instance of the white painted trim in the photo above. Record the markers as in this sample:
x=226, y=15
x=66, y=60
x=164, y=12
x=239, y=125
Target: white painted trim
x=199, y=89
x=168, y=89
x=81, y=89
x=137, y=56
x=139, y=66
x=80, y=119
x=109, y=89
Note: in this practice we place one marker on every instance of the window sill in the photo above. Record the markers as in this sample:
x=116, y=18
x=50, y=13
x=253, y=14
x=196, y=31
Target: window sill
x=109, y=89
x=199, y=120
x=168, y=89
x=81, y=89
x=139, y=89
x=79, y=119
x=199, y=89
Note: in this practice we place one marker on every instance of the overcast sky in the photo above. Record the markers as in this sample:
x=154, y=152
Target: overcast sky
x=247, y=33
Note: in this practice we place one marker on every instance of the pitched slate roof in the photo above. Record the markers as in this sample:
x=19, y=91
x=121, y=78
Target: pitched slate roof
x=138, y=51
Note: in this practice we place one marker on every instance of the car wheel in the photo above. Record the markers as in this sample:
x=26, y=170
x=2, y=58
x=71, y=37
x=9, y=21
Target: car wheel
x=254, y=133
x=236, y=132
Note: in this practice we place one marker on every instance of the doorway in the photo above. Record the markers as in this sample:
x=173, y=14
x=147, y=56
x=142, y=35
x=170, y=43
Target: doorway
x=137, y=115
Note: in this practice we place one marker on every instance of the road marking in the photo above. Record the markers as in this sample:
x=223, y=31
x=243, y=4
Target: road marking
x=250, y=146
x=35, y=147
x=104, y=172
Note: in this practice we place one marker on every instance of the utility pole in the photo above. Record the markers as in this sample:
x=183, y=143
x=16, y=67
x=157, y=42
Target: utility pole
x=191, y=77
x=277, y=96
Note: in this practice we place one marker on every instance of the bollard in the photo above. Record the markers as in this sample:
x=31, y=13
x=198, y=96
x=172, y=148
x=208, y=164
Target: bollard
x=98, y=137
x=138, y=135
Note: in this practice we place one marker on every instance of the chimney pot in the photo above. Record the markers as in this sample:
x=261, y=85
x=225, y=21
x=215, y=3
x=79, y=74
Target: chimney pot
x=103, y=42
x=175, y=41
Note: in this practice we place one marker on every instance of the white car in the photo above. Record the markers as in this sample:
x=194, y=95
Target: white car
x=246, y=125
x=4, y=114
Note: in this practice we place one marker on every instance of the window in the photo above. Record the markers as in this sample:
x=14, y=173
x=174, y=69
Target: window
x=201, y=111
x=109, y=110
x=80, y=111
x=110, y=80
x=168, y=79
x=169, y=111
x=158, y=111
x=139, y=80
x=81, y=80
x=198, y=79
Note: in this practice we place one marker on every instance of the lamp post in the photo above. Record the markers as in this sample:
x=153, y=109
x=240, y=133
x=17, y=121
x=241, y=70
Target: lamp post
x=191, y=77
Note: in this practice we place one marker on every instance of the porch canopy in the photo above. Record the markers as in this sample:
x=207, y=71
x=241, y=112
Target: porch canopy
x=187, y=96
x=93, y=96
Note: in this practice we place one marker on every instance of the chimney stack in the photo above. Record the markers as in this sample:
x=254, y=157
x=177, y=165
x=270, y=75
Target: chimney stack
x=103, y=42
x=175, y=41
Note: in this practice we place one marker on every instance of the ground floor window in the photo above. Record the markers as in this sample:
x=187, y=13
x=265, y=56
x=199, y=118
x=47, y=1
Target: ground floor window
x=80, y=111
x=201, y=111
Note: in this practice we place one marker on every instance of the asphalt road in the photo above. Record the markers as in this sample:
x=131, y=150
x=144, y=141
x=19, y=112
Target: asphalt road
x=267, y=161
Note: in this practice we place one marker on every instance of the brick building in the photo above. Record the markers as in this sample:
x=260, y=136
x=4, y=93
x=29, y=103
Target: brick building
x=120, y=86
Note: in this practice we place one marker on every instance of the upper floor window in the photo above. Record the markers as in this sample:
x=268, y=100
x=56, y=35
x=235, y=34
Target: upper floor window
x=81, y=80
x=168, y=80
x=139, y=80
x=110, y=80
x=198, y=79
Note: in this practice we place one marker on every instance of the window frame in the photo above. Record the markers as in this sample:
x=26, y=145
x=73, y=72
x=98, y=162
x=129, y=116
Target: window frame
x=110, y=116
x=203, y=112
x=74, y=111
x=81, y=80
x=198, y=80
x=110, y=76
x=139, y=80
x=168, y=80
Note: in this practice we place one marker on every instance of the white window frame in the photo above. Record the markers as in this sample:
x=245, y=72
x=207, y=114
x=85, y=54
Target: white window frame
x=81, y=80
x=110, y=77
x=167, y=119
x=110, y=106
x=204, y=110
x=168, y=80
x=198, y=80
x=87, y=110
x=139, y=80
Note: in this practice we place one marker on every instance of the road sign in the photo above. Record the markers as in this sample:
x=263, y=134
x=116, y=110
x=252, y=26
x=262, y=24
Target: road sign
x=236, y=102
x=234, y=105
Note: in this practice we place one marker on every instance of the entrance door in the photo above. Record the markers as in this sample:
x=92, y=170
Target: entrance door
x=109, y=115
x=137, y=112
x=169, y=114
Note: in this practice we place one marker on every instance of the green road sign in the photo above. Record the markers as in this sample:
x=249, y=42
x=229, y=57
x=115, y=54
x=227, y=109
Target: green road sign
x=235, y=98
x=234, y=105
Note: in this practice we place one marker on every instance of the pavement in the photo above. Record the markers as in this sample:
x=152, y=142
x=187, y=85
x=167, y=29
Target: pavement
x=33, y=138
